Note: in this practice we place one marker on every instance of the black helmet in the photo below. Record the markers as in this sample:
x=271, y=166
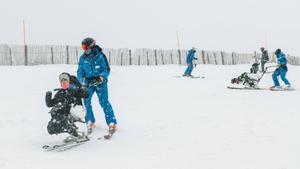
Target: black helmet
x=87, y=43
x=278, y=51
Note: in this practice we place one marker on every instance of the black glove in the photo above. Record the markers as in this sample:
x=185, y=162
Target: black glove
x=48, y=98
x=84, y=93
x=196, y=58
x=49, y=94
x=283, y=67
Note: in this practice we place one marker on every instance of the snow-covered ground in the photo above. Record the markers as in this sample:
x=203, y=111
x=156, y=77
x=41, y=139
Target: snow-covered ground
x=164, y=122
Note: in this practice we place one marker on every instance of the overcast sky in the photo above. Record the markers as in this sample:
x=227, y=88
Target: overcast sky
x=229, y=25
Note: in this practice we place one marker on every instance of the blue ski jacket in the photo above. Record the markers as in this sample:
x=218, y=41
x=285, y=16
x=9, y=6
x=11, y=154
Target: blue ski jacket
x=282, y=61
x=92, y=66
x=191, y=56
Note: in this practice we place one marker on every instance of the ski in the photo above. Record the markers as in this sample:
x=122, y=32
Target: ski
x=246, y=88
x=65, y=146
x=281, y=89
x=192, y=77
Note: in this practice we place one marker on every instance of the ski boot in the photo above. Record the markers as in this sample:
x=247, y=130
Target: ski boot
x=288, y=87
x=276, y=88
x=112, y=127
x=90, y=127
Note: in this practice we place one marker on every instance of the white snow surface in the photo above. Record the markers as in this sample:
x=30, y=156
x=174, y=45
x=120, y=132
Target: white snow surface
x=163, y=122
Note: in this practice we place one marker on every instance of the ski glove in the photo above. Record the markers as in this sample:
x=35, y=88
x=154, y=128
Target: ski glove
x=101, y=79
x=48, y=98
x=84, y=93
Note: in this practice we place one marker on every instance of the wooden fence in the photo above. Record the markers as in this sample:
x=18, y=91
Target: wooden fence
x=59, y=54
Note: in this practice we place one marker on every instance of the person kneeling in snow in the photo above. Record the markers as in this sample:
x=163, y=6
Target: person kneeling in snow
x=70, y=93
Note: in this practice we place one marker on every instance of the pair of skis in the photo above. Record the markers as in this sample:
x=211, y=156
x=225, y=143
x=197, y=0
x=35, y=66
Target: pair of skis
x=246, y=88
x=66, y=145
x=251, y=88
x=74, y=143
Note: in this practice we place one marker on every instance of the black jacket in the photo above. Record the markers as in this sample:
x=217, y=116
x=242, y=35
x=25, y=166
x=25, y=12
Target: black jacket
x=65, y=98
x=264, y=56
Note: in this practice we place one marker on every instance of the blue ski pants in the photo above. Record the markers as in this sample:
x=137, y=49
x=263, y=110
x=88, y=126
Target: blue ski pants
x=189, y=69
x=280, y=72
x=102, y=93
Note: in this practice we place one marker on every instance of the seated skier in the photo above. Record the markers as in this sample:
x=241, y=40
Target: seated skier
x=246, y=79
x=70, y=94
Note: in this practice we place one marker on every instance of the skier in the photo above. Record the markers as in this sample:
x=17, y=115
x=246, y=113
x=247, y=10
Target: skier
x=189, y=61
x=93, y=71
x=281, y=71
x=264, y=58
x=69, y=94
x=247, y=80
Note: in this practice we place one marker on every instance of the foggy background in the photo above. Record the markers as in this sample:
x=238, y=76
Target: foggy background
x=231, y=25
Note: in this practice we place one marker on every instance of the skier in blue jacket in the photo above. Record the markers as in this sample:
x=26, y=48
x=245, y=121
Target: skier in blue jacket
x=280, y=71
x=93, y=71
x=189, y=61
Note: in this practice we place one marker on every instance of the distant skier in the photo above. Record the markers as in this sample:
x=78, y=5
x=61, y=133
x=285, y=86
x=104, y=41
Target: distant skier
x=189, y=61
x=93, y=71
x=68, y=95
x=281, y=71
x=264, y=58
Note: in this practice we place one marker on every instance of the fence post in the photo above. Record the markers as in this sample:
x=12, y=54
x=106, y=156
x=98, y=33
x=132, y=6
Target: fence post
x=139, y=60
x=232, y=57
x=130, y=57
x=10, y=55
x=215, y=57
x=203, y=57
x=155, y=56
x=121, y=58
x=179, y=55
x=208, y=61
x=26, y=55
x=52, y=57
x=171, y=58
x=109, y=57
x=68, y=59
x=77, y=60
x=162, y=57
x=147, y=58
x=222, y=56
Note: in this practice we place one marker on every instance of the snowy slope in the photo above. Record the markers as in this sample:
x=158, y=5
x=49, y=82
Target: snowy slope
x=164, y=122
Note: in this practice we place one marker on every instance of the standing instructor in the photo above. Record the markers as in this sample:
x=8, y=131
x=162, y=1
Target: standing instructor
x=93, y=71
